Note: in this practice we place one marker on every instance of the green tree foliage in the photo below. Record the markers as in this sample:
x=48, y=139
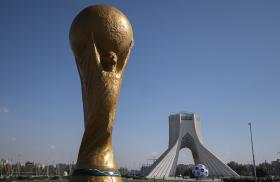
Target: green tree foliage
x=123, y=171
x=241, y=169
x=183, y=170
x=263, y=169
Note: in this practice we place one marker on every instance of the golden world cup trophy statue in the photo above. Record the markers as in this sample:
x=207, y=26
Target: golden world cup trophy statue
x=101, y=38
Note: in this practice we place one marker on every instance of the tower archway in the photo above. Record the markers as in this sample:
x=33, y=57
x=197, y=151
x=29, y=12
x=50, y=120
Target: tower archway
x=185, y=162
x=185, y=157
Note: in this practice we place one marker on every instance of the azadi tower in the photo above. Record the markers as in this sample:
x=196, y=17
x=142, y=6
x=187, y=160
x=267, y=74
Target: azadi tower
x=184, y=132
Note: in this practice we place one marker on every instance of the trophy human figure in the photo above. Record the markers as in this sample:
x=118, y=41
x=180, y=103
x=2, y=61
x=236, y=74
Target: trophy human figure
x=101, y=38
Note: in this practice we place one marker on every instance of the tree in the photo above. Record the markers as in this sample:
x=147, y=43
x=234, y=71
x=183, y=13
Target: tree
x=184, y=170
x=239, y=168
x=123, y=171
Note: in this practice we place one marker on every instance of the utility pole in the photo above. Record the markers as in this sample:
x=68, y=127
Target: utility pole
x=1, y=165
x=278, y=160
x=48, y=170
x=255, y=171
x=18, y=165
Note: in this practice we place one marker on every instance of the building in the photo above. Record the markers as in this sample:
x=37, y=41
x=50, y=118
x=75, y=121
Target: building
x=185, y=132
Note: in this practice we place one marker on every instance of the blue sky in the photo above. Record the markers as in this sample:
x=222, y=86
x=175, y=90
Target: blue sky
x=217, y=58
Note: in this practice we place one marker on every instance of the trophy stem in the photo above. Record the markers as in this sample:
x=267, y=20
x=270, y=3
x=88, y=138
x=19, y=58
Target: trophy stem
x=96, y=151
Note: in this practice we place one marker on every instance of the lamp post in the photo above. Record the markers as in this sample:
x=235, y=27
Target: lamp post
x=255, y=171
x=278, y=161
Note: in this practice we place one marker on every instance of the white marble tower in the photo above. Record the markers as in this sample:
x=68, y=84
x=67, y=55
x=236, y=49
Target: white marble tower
x=184, y=132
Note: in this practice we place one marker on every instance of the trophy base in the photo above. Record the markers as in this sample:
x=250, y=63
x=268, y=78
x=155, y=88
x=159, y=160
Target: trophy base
x=95, y=179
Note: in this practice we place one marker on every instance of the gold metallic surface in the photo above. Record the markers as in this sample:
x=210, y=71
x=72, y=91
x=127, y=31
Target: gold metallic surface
x=96, y=179
x=101, y=38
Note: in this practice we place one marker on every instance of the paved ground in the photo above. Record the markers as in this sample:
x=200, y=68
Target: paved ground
x=127, y=180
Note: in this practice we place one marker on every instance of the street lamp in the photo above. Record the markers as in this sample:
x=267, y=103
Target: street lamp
x=255, y=171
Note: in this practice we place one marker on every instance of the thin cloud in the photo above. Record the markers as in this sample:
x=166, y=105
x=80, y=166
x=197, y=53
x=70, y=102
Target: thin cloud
x=5, y=110
x=52, y=146
x=154, y=154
